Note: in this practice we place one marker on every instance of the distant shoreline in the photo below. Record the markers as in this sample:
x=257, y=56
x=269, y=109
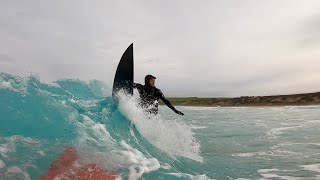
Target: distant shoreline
x=275, y=100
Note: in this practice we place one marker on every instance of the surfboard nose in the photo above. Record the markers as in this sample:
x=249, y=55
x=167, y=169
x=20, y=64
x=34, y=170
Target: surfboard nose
x=125, y=73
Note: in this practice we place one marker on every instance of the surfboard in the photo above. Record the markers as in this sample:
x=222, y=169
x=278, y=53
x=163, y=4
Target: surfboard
x=124, y=75
x=68, y=166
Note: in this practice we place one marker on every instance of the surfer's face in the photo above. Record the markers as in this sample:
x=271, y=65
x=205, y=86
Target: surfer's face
x=152, y=82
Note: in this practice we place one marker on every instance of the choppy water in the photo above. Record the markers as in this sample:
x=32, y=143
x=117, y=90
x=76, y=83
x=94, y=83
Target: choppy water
x=37, y=120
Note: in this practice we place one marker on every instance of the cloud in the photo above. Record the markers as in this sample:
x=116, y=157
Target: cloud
x=310, y=32
x=207, y=48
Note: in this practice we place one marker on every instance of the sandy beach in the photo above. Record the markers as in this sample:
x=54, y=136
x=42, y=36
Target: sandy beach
x=275, y=100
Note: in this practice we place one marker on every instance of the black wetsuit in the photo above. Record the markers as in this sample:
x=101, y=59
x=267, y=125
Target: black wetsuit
x=150, y=96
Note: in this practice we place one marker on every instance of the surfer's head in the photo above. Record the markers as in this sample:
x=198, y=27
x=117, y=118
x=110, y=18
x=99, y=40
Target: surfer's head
x=149, y=80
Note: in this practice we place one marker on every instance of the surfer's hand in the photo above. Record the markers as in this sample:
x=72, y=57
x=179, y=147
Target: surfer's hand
x=178, y=112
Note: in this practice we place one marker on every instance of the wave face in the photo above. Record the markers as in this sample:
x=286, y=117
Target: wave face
x=38, y=120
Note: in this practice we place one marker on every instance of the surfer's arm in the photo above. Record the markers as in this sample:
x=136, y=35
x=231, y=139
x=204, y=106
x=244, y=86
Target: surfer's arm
x=167, y=102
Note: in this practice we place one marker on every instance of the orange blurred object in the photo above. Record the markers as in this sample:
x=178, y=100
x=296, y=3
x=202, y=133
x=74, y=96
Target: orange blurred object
x=67, y=167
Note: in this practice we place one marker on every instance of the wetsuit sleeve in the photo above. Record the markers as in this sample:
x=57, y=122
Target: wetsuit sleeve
x=167, y=102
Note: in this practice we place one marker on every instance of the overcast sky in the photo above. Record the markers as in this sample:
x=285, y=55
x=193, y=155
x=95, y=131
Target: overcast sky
x=194, y=48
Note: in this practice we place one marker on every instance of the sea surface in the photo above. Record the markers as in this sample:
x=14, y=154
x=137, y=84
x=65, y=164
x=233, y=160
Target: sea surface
x=39, y=119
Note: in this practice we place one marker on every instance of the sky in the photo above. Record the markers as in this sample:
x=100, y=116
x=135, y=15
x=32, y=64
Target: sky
x=205, y=48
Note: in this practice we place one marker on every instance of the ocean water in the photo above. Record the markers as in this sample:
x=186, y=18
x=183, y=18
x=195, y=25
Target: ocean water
x=38, y=120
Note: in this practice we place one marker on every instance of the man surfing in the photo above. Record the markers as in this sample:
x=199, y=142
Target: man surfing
x=150, y=95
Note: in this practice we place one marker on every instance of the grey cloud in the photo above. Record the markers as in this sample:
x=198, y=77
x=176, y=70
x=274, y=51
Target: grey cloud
x=309, y=34
x=207, y=48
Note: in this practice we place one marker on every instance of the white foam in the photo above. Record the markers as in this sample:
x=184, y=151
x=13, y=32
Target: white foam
x=266, y=170
x=41, y=153
x=244, y=154
x=317, y=144
x=199, y=127
x=272, y=153
x=9, y=143
x=5, y=85
x=8, y=146
x=166, y=166
x=190, y=176
x=14, y=83
x=16, y=171
x=271, y=173
x=4, y=149
x=270, y=176
x=170, y=135
x=2, y=164
x=92, y=132
x=200, y=107
x=274, y=132
x=137, y=163
x=127, y=157
x=312, y=167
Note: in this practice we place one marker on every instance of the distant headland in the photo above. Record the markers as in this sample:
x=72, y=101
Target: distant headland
x=274, y=100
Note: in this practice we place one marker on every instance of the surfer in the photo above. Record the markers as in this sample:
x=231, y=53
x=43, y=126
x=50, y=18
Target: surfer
x=150, y=95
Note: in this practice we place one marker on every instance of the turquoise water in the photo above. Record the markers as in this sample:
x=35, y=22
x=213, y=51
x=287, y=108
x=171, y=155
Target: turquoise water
x=38, y=120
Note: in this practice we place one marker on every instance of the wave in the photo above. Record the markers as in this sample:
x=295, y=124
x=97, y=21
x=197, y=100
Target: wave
x=40, y=119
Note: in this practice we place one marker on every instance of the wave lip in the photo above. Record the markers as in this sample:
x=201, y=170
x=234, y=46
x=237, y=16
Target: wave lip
x=171, y=136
